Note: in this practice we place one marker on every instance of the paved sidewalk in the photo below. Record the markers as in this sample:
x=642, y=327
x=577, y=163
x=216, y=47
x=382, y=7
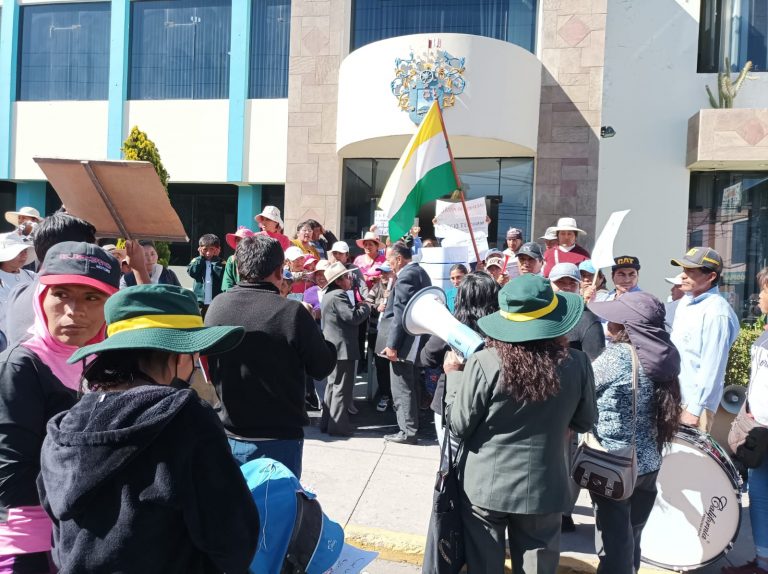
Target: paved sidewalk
x=381, y=494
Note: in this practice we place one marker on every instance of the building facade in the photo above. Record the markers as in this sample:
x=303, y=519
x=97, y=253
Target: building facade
x=307, y=104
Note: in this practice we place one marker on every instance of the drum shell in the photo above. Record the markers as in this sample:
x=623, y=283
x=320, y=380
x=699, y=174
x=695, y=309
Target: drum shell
x=698, y=505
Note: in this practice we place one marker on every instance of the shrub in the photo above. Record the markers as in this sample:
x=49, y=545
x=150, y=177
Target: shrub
x=738, y=370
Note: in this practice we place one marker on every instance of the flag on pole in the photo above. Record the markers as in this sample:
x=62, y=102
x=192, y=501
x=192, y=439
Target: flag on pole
x=423, y=173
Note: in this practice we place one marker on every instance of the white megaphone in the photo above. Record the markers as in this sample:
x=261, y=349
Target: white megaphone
x=426, y=314
x=733, y=398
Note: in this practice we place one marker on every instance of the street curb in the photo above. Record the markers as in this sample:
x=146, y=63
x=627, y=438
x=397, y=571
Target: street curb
x=409, y=548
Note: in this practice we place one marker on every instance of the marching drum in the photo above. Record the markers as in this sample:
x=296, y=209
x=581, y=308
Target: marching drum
x=697, y=512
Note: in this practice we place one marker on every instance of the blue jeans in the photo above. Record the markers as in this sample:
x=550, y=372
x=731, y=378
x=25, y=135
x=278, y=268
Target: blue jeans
x=758, y=507
x=288, y=452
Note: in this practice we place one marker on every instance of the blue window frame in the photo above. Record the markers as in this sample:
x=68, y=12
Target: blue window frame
x=513, y=21
x=64, y=52
x=734, y=29
x=270, y=46
x=179, y=50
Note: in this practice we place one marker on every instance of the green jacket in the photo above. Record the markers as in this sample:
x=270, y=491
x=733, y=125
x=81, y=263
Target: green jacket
x=512, y=454
x=196, y=270
x=231, y=276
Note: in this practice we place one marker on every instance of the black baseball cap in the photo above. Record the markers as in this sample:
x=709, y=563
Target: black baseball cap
x=700, y=257
x=625, y=261
x=531, y=249
x=79, y=263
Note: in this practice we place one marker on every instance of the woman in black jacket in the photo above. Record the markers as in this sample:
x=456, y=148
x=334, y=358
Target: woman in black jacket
x=138, y=476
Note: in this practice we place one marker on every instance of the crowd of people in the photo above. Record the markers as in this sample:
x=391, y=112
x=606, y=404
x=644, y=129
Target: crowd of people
x=105, y=449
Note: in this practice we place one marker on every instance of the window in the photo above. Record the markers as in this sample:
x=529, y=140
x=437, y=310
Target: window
x=505, y=183
x=270, y=45
x=509, y=20
x=732, y=218
x=734, y=29
x=179, y=50
x=64, y=52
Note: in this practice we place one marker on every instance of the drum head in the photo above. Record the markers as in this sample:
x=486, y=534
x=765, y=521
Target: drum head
x=697, y=511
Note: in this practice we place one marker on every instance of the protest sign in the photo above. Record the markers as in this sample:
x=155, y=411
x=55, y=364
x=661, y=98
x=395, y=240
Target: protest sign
x=602, y=254
x=120, y=198
x=449, y=216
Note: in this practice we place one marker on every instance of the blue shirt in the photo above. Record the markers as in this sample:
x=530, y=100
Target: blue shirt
x=703, y=331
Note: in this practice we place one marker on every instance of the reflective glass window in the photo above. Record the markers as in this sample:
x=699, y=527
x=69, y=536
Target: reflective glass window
x=509, y=20
x=179, y=50
x=728, y=211
x=734, y=29
x=64, y=52
x=270, y=45
x=505, y=183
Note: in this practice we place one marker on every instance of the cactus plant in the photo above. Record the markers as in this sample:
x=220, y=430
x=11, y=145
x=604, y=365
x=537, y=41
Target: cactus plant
x=726, y=88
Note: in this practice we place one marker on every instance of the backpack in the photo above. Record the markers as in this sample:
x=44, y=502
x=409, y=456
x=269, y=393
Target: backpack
x=295, y=536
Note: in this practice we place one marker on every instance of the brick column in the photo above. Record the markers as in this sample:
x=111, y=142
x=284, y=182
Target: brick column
x=312, y=183
x=573, y=54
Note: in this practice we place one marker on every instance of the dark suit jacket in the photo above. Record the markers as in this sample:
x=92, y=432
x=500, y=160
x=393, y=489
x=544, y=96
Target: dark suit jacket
x=411, y=279
x=512, y=456
x=341, y=322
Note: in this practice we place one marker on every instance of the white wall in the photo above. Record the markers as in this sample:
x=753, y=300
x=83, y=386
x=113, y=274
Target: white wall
x=497, y=115
x=266, y=138
x=650, y=90
x=57, y=129
x=191, y=136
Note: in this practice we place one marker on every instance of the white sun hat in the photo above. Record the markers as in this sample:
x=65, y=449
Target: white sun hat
x=12, y=217
x=272, y=213
x=11, y=244
x=568, y=224
x=334, y=271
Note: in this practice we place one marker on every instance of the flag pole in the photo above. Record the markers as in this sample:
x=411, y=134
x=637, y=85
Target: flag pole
x=458, y=183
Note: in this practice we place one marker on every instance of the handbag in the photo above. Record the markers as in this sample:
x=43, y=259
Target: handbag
x=444, y=550
x=748, y=439
x=611, y=474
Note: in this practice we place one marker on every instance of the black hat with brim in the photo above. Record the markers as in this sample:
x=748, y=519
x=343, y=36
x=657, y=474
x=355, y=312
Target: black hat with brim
x=529, y=310
x=162, y=318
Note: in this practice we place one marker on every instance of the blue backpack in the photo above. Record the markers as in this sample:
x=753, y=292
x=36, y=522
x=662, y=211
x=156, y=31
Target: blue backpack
x=295, y=536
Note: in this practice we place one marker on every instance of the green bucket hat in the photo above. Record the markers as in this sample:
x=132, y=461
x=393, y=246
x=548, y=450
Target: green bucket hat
x=159, y=317
x=530, y=310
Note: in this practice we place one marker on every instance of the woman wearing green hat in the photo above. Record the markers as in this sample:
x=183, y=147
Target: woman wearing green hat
x=512, y=406
x=138, y=475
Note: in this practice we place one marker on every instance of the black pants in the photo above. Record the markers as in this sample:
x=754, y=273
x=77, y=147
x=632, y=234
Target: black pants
x=619, y=525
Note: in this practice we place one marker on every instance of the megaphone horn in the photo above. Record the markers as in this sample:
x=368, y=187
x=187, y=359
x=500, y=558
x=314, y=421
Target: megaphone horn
x=426, y=314
x=734, y=397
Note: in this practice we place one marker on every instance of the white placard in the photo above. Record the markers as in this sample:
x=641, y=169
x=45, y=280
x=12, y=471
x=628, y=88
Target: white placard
x=352, y=560
x=459, y=238
x=381, y=221
x=449, y=216
x=602, y=254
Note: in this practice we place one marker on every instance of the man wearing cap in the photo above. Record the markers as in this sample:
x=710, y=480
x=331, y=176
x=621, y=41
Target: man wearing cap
x=549, y=238
x=24, y=220
x=530, y=258
x=587, y=335
x=625, y=275
x=703, y=331
x=261, y=383
x=567, y=250
x=494, y=265
x=514, y=242
x=400, y=347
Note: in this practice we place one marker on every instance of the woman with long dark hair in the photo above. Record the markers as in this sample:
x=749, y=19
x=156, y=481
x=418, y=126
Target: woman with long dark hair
x=476, y=297
x=636, y=327
x=511, y=407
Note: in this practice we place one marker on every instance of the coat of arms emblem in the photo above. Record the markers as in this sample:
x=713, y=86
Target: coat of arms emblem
x=420, y=80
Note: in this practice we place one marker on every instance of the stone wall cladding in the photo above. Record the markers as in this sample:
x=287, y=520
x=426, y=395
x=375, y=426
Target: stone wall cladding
x=312, y=183
x=573, y=53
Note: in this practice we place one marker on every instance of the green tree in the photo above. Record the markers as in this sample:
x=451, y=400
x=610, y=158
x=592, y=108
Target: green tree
x=138, y=147
x=739, y=358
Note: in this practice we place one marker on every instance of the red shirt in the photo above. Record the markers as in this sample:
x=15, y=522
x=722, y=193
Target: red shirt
x=555, y=255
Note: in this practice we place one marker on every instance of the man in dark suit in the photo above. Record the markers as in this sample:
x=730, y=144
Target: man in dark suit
x=401, y=348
